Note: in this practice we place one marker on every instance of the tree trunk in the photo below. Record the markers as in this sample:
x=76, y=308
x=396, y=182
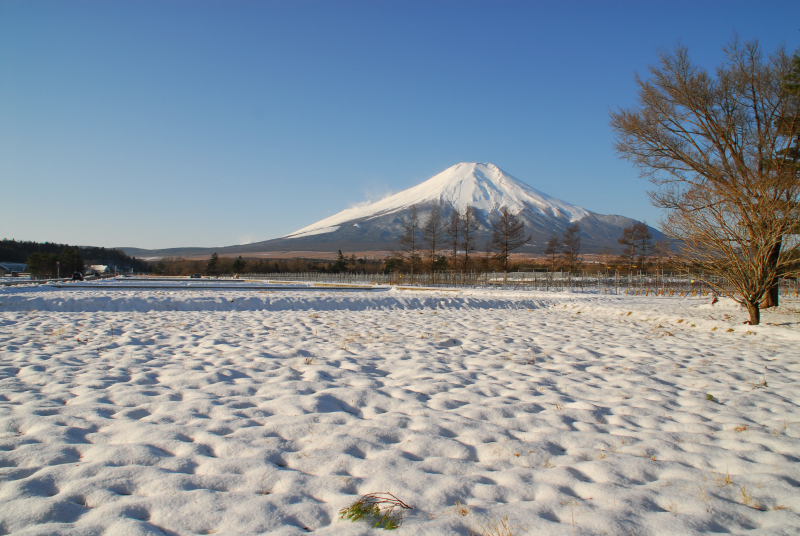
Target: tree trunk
x=771, y=297
x=755, y=313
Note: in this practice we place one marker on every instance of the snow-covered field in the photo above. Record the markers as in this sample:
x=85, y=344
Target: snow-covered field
x=129, y=412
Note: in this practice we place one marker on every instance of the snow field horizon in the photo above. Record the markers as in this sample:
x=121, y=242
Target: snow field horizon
x=160, y=412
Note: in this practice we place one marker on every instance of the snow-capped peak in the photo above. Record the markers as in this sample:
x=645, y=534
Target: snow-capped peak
x=482, y=185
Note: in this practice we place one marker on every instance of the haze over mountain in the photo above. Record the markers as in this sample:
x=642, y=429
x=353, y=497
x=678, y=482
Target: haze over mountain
x=377, y=226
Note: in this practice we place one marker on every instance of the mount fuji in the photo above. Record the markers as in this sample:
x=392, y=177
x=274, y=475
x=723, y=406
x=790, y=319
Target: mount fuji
x=377, y=226
x=486, y=187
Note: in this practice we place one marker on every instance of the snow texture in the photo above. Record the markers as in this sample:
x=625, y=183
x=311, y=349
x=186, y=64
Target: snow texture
x=163, y=411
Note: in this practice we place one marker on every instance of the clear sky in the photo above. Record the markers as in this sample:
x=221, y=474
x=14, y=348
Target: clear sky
x=192, y=123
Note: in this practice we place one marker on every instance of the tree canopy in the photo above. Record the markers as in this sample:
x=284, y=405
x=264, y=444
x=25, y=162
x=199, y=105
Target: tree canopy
x=718, y=148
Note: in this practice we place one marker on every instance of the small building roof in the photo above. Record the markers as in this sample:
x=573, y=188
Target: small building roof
x=13, y=266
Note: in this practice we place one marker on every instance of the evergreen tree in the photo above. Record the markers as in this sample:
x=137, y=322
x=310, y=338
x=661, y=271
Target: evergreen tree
x=70, y=261
x=213, y=268
x=42, y=264
x=238, y=265
x=160, y=267
x=341, y=263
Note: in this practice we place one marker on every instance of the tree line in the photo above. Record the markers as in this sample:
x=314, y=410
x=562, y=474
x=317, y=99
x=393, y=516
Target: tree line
x=41, y=257
x=216, y=265
x=422, y=242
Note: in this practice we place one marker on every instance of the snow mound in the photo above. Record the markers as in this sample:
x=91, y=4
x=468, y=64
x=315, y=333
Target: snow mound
x=564, y=414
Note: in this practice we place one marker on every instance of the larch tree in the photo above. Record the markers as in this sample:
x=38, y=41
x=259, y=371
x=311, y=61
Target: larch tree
x=717, y=146
x=508, y=234
x=488, y=254
x=433, y=232
x=628, y=243
x=643, y=242
x=635, y=240
x=454, y=226
x=571, y=246
x=410, y=241
x=661, y=252
x=553, y=249
x=469, y=232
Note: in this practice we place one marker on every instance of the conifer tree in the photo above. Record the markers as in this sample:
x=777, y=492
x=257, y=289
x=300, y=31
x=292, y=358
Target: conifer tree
x=341, y=263
x=42, y=264
x=70, y=261
x=238, y=265
x=213, y=268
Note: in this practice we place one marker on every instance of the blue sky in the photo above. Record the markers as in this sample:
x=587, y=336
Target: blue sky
x=182, y=123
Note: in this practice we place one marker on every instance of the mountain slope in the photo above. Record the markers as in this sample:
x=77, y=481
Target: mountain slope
x=484, y=186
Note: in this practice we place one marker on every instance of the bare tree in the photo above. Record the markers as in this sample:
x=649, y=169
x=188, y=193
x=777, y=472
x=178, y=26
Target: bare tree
x=635, y=239
x=409, y=242
x=571, y=242
x=433, y=233
x=661, y=252
x=508, y=234
x=552, y=249
x=628, y=243
x=486, y=260
x=454, y=226
x=713, y=237
x=717, y=148
x=469, y=233
x=606, y=257
x=643, y=242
